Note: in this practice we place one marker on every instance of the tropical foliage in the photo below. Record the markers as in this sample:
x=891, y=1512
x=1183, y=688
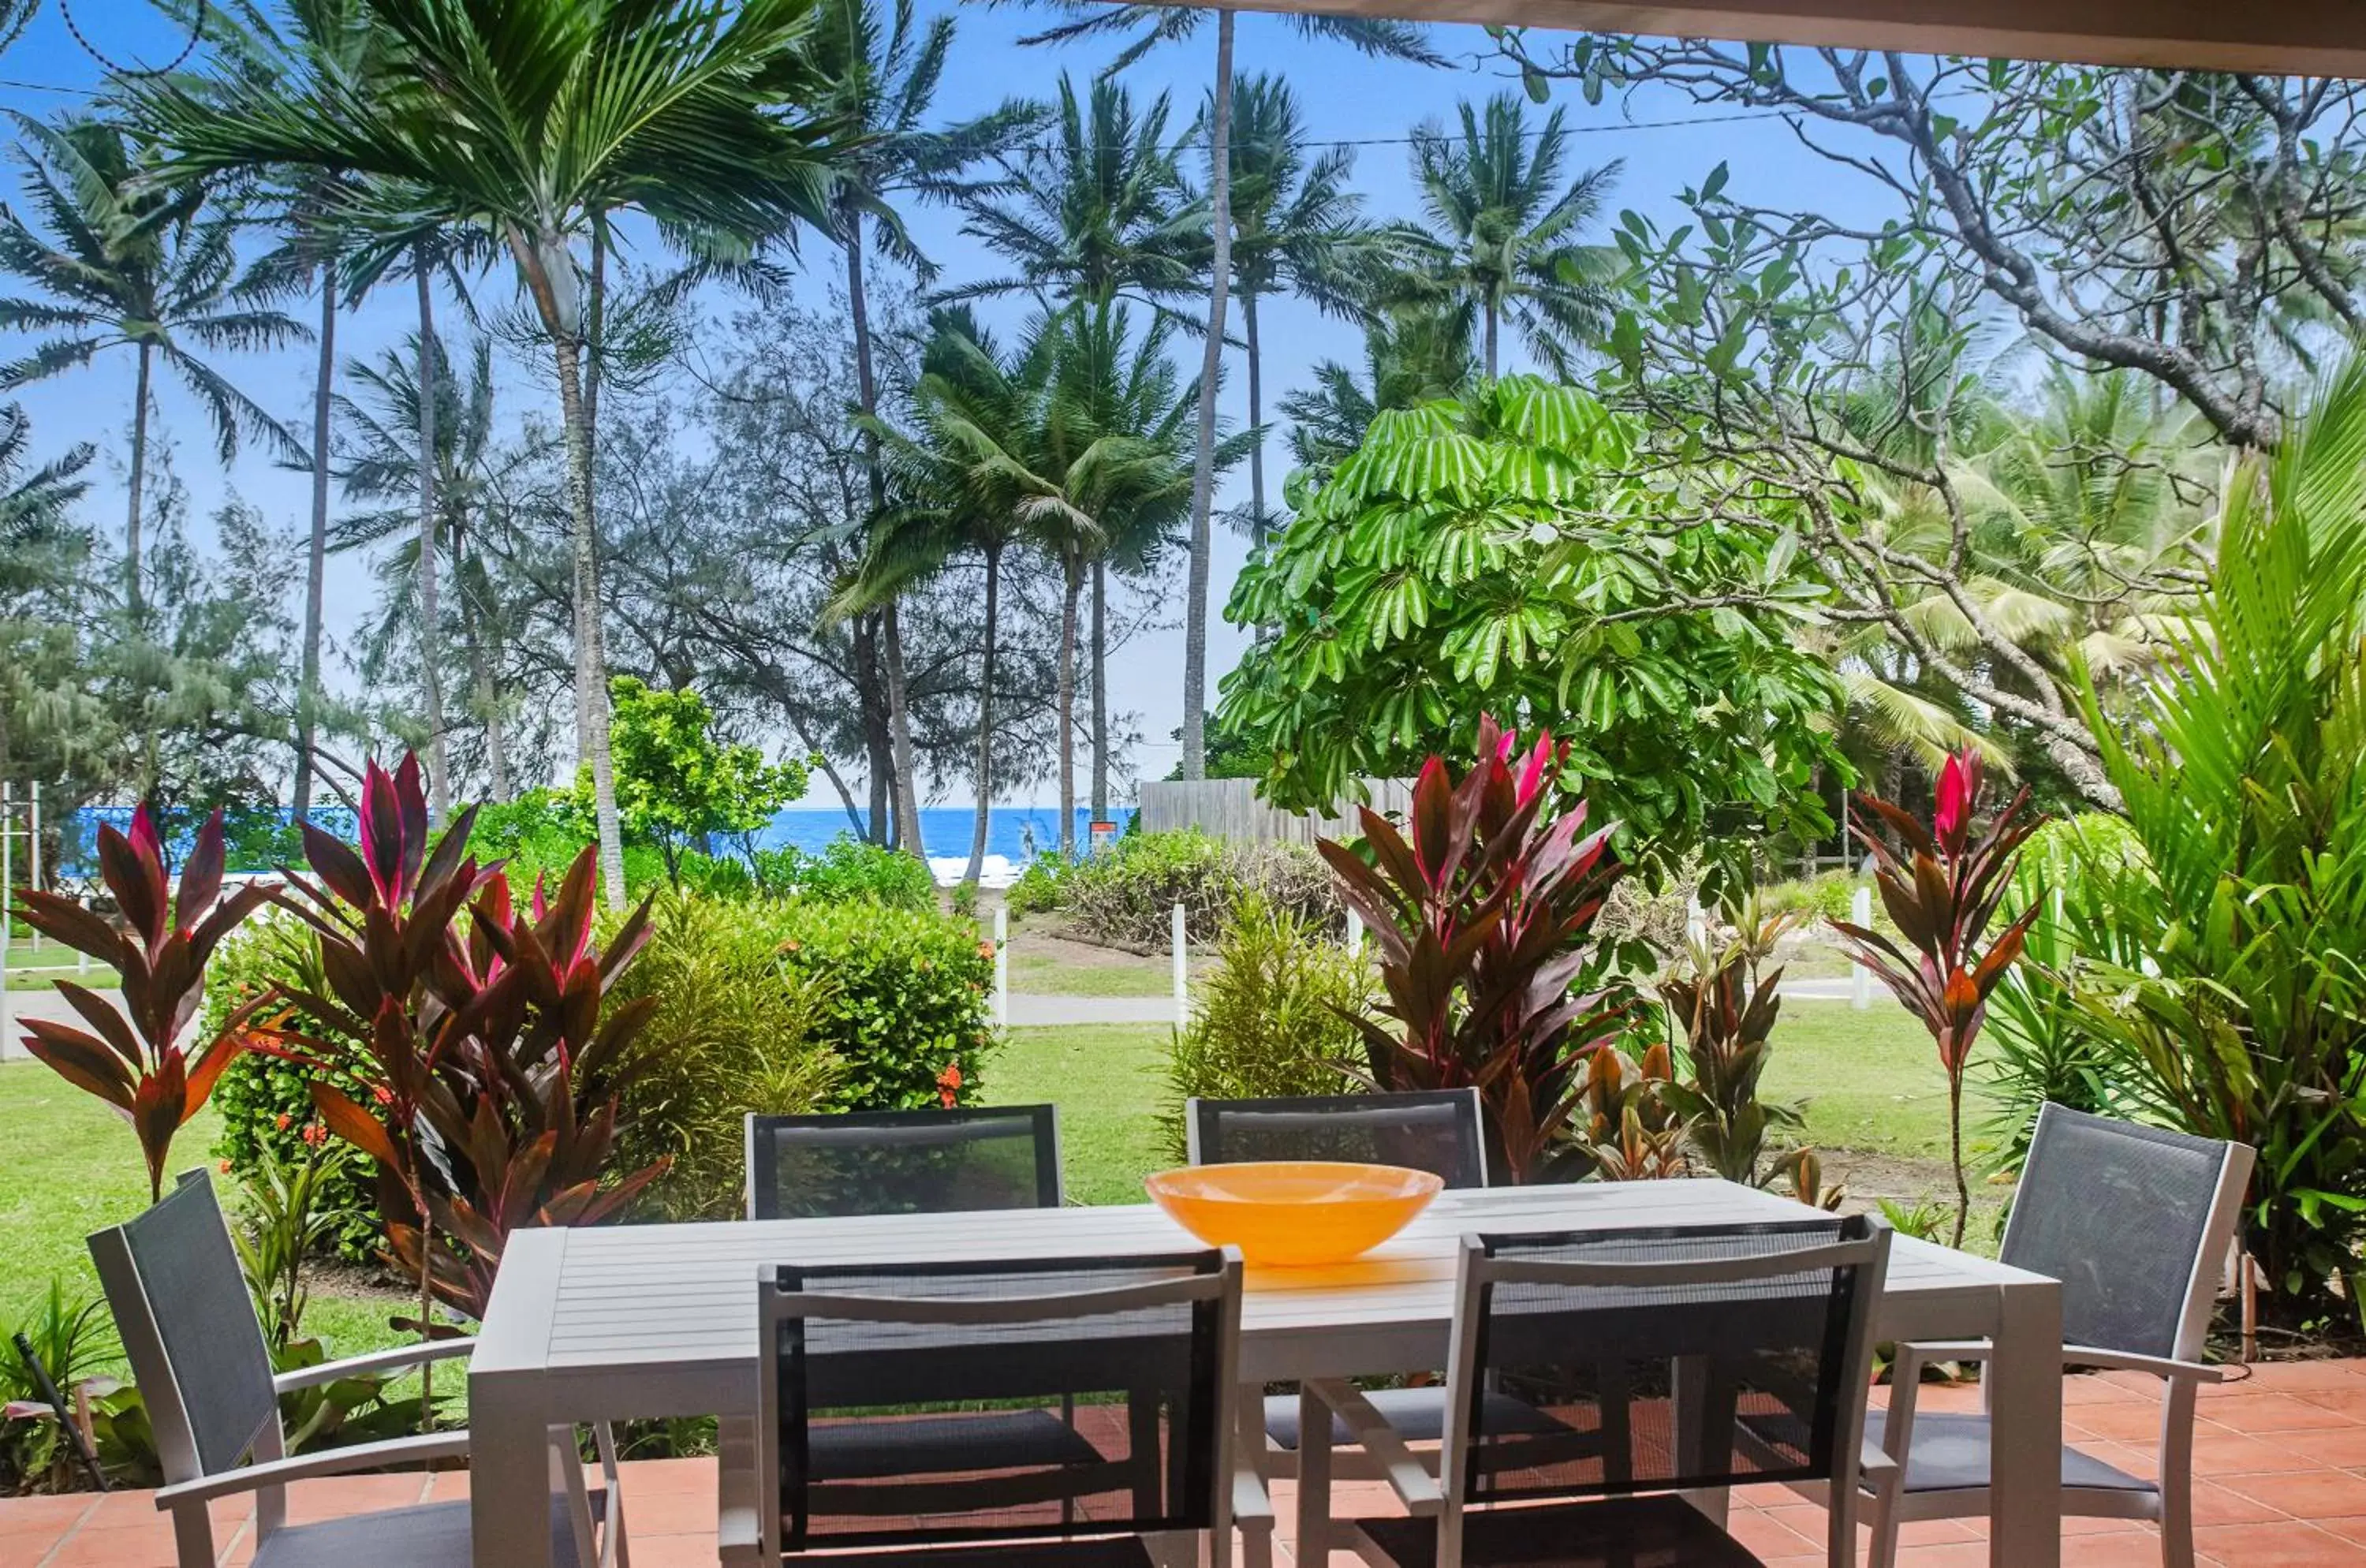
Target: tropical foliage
x=1483, y=556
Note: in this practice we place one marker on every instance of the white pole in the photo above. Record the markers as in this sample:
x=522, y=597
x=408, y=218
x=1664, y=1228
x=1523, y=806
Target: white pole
x=7, y=921
x=1001, y=966
x=1355, y=932
x=1695, y=919
x=1861, y=979
x=1182, y=973
x=33, y=845
x=82, y=960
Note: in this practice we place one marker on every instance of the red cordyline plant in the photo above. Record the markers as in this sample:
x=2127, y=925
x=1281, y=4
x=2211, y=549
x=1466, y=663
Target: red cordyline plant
x=478, y=1028
x=132, y=1059
x=1483, y=919
x=1942, y=892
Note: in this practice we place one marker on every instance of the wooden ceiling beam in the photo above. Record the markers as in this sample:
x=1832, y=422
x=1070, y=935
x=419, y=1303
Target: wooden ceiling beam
x=2305, y=37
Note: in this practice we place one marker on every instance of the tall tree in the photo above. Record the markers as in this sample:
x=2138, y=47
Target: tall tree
x=132, y=256
x=1504, y=229
x=886, y=69
x=1297, y=228
x=1412, y=353
x=526, y=122
x=1151, y=25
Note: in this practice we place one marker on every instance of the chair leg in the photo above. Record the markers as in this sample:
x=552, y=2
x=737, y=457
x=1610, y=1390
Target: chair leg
x=2177, y=1475
x=1882, y=1512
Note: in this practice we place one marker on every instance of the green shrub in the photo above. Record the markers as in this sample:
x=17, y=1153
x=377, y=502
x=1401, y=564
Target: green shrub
x=1267, y=1020
x=1041, y=887
x=1824, y=896
x=1127, y=894
x=542, y=831
x=266, y=1102
x=738, y=1031
x=848, y=867
x=906, y=1002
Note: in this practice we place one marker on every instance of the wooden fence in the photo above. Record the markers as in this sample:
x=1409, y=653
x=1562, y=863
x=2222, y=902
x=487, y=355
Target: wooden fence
x=1229, y=808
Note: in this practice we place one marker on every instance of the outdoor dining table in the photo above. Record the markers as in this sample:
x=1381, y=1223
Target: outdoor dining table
x=619, y=1323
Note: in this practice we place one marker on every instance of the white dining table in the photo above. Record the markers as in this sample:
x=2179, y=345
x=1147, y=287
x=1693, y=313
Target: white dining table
x=623, y=1322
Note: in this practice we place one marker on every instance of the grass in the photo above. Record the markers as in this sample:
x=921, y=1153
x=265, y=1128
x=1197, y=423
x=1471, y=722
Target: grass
x=1870, y=1079
x=74, y=1168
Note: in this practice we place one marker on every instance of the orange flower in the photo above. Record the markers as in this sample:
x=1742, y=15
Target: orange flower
x=986, y=950
x=382, y=1094
x=315, y=1134
x=283, y=1121
x=949, y=1084
x=225, y=1167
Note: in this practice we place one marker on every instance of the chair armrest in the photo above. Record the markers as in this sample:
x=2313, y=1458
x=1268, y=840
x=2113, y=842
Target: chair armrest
x=1416, y=1487
x=330, y=1462
x=2128, y=1362
x=389, y=1360
x=1252, y=1504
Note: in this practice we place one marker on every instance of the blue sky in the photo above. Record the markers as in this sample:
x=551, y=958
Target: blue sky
x=1344, y=97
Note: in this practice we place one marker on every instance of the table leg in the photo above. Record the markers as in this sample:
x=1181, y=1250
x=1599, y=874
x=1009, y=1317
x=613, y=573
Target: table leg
x=1314, y=1478
x=508, y=1478
x=2025, y=1404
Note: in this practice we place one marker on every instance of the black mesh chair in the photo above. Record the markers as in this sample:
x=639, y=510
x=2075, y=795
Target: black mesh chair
x=1672, y=1362
x=188, y=1326
x=2136, y=1223
x=903, y=1162
x=1437, y=1131
x=929, y=1357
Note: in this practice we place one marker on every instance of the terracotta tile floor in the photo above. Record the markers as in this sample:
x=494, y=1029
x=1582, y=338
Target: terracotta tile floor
x=2280, y=1459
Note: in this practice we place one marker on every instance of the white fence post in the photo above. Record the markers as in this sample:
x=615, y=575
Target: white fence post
x=1859, y=978
x=33, y=852
x=1695, y=919
x=1355, y=932
x=1001, y=967
x=1182, y=973
x=7, y=921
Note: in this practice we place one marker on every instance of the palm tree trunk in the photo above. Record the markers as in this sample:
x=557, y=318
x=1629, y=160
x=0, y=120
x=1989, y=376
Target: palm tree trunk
x=316, y=559
x=591, y=658
x=131, y=594
x=1491, y=339
x=1073, y=588
x=1256, y=420
x=1203, y=465
x=986, y=717
x=431, y=620
x=480, y=675
x=1100, y=691
x=899, y=712
x=899, y=735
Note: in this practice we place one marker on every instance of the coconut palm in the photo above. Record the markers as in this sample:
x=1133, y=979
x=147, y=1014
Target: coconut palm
x=1297, y=228
x=1411, y=354
x=378, y=452
x=530, y=122
x=1099, y=212
x=1150, y=27
x=127, y=256
x=1505, y=228
x=886, y=69
x=962, y=481
x=34, y=507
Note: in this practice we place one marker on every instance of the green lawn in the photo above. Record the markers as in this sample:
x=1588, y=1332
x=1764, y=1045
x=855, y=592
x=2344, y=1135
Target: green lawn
x=1870, y=1079
x=1045, y=975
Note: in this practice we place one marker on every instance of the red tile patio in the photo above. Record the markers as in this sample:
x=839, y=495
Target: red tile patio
x=2280, y=1459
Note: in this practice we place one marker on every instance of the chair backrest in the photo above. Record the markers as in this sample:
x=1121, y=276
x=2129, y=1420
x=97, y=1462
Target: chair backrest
x=189, y=1331
x=1133, y=1357
x=2134, y=1220
x=1435, y=1130
x=903, y=1162
x=1666, y=1358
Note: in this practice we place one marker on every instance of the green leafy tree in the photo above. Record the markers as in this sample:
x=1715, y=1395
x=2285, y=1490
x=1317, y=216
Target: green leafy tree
x=532, y=125
x=681, y=785
x=1152, y=25
x=1487, y=557
x=127, y=255
x=1504, y=230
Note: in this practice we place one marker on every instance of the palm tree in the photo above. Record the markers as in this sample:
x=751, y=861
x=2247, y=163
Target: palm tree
x=1507, y=228
x=1297, y=228
x=378, y=462
x=1098, y=213
x=34, y=506
x=886, y=70
x=1412, y=353
x=131, y=255
x=1152, y=25
x=964, y=480
x=532, y=123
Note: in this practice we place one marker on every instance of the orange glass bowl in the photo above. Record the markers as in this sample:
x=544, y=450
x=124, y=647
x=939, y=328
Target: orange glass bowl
x=1294, y=1213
